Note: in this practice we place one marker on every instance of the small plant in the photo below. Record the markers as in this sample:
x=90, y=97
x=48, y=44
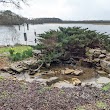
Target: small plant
x=1, y=78
x=101, y=105
x=44, y=89
x=4, y=94
x=80, y=108
x=106, y=87
x=20, y=56
x=61, y=92
x=11, y=51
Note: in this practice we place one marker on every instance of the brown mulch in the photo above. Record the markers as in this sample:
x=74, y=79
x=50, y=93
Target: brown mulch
x=4, y=62
x=15, y=95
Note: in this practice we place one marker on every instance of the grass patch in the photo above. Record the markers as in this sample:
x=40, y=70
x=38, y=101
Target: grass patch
x=17, y=53
x=17, y=49
x=106, y=87
x=101, y=105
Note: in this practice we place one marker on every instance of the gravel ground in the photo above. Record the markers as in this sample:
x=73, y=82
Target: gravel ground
x=16, y=95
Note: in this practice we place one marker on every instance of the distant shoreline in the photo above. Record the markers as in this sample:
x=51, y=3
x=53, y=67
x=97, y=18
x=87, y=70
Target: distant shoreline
x=78, y=23
x=97, y=23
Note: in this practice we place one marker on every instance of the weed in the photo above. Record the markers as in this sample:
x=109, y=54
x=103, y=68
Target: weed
x=106, y=87
x=101, y=105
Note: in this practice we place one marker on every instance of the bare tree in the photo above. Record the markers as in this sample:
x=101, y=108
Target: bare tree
x=14, y=2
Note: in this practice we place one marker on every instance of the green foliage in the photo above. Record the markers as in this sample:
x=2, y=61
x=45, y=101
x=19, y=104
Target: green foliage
x=11, y=51
x=80, y=108
x=53, y=44
x=1, y=78
x=18, y=49
x=20, y=56
x=106, y=87
x=101, y=105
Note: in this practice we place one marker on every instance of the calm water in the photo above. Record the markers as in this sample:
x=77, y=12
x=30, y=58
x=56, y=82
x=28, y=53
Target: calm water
x=10, y=35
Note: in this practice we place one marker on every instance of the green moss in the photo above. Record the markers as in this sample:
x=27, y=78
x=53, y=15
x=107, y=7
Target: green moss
x=101, y=105
x=106, y=87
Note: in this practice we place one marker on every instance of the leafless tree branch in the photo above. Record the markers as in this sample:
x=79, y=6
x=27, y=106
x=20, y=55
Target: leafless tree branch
x=14, y=2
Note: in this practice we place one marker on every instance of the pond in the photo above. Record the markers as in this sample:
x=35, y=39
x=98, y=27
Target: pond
x=10, y=35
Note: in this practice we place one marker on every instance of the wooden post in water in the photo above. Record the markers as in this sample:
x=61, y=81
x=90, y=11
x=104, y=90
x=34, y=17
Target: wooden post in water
x=27, y=26
x=25, y=37
x=35, y=33
x=35, y=40
x=19, y=27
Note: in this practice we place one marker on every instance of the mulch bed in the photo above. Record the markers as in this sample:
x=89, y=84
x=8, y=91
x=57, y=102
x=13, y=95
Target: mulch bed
x=16, y=95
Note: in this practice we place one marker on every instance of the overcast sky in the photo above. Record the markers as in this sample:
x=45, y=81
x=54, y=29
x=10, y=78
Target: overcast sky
x=65, y=9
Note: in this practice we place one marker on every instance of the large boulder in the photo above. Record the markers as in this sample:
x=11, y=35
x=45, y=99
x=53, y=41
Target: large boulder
x=32, y=62
x=49, y=81
x=36, y=52
x=95, y=53
x=105, y=65
x=16, y=67
x=102, y=56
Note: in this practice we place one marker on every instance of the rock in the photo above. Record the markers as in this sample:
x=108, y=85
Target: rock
x=109, y=75
x=52, y=80
x=63, y=84
x=47, y=65
x=30, y=62
x=41, y=80
x=48, y=72
x=91, y=84
x=96, y=60
x=102, y=56
x=101, y=72
x=36, y=52
x=103, y=80
x=6, y=69
x=103, y=51
x=78, y=72
x=108, y=55
x=87, y=63
x=97, y=53
x=17, y=68
x=91, y=51
x=48, y=82
x=76, y=81
x=105, y=65
x=67, y=71
x=99, y=68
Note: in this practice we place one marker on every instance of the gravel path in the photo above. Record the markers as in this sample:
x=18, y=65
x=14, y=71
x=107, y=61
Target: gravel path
x=15, y=95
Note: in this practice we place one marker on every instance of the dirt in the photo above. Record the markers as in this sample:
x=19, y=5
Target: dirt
x=16, y=95
x=4, y=62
